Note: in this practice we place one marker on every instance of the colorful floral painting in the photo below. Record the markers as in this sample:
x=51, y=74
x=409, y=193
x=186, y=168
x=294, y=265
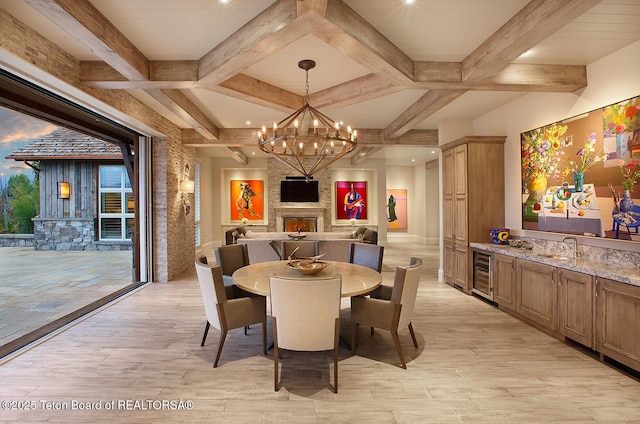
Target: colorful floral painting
x=541, y=152
x=351, y=200
x=247, y=200
x=620, y=120
x=396, y=209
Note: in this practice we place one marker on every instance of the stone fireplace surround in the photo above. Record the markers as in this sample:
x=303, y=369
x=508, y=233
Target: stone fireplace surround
x=299, y=212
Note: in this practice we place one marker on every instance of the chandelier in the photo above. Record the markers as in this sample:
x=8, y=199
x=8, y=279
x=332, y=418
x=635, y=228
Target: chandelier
x=307, y=140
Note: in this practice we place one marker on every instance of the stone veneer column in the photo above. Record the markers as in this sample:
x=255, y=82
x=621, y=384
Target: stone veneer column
x=278, y=171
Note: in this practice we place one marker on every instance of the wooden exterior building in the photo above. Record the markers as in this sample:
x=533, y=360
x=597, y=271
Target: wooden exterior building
x=69, y=222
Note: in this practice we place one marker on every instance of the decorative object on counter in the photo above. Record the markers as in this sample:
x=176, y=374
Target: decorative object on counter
x=500, y=235
x=586, y=158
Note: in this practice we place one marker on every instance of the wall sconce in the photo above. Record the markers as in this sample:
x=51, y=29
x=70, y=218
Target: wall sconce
x=64, y=190
x=186, y=186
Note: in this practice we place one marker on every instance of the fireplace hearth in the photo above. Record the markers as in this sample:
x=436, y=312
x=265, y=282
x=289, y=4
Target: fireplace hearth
x=290, y=218
x=299, y=223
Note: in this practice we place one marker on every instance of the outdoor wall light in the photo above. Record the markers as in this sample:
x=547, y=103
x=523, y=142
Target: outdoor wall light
x=64, y=190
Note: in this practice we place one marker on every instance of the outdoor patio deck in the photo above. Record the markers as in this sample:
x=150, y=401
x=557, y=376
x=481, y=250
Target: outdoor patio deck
x=40, y=287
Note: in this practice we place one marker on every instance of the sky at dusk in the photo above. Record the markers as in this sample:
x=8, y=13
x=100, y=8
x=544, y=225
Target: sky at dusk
x=17, y=130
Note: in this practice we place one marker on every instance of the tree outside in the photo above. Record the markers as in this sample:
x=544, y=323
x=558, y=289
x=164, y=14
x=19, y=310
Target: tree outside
x=19, y=202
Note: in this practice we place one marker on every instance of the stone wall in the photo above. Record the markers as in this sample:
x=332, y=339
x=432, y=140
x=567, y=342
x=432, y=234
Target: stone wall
x=278, y=171
x=16, y=240
x=71, y=234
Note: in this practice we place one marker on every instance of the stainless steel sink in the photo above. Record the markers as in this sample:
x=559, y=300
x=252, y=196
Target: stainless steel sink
x=559, y=257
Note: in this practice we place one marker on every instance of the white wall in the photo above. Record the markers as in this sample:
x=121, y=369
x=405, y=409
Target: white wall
x=610, y=80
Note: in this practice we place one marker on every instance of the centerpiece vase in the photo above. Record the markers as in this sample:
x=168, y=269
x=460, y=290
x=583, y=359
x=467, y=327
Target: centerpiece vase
x=578, y=181
x=626, y=202
x=537, y=188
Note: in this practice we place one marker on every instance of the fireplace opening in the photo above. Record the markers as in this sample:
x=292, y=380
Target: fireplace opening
x=303, y=224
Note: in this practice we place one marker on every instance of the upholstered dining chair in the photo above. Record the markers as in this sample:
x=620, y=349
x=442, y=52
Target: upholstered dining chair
x=224, y=313
x=306, y=317
x=306, y=249
x=230, y=258
x=369, y=255
x=389, y=308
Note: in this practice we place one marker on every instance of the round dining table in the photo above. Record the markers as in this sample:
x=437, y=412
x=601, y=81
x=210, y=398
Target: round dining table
x=356, y=279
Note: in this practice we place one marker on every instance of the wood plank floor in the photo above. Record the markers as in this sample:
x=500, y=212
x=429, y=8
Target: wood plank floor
x=475, y=364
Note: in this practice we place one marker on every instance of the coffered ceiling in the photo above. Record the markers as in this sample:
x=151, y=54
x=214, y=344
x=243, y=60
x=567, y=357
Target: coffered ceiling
x=393, y=70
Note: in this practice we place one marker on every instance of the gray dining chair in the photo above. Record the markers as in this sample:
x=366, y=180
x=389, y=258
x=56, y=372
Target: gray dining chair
x=306, y=317
x=226, y=313
x=369, y=255
x=306, y=249
x=389, y=308
x=230, y=258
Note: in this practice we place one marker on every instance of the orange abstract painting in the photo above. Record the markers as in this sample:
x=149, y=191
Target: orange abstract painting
x=247, y=200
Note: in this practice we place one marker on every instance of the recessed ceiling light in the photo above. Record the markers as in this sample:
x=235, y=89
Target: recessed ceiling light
x=413, y=160
x=248, y=122
x=224, y=1
x=409, y=1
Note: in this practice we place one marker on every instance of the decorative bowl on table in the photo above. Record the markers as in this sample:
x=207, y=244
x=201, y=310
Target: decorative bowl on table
x=297, y=236
x=307, y=266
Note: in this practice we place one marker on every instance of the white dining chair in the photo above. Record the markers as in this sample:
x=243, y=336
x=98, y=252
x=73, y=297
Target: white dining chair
x=306, y=317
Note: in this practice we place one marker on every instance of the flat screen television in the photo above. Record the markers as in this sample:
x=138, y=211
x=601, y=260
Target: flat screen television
x=299, y=190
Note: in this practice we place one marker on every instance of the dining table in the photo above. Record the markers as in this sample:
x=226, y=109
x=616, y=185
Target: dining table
x=356, y=279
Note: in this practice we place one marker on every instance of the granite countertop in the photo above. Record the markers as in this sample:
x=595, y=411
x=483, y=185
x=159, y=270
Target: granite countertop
x=629, y=274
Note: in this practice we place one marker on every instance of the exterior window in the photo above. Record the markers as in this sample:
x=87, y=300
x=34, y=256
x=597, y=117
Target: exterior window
x=197, y=203
x=116, y=220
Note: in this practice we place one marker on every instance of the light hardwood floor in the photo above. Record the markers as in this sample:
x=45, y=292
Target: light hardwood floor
x=475, y=364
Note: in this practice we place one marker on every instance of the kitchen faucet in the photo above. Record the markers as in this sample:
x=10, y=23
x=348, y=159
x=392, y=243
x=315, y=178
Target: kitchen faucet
x=575, y=245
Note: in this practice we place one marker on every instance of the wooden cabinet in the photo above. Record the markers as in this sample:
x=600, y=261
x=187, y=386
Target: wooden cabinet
x=537, y=293
x=576, y=307
x=618, y=315
x=504, y=281
x=473, y=200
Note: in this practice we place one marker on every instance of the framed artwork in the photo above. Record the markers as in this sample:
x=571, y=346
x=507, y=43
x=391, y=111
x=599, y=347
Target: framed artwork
x=247, y=200
x=397, y=209
x=351, y=200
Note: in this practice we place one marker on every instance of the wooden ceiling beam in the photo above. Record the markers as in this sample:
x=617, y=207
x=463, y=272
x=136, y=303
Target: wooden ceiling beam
x=259, y=92
x=525, y=29
x=82, y=21
x=182, y=107
x=513, y=77
x=352, y=92
x=276, y=27
x=318, y=6
x=532, y=24
x=179, y=74
x=342, y=28
x=431, y=102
